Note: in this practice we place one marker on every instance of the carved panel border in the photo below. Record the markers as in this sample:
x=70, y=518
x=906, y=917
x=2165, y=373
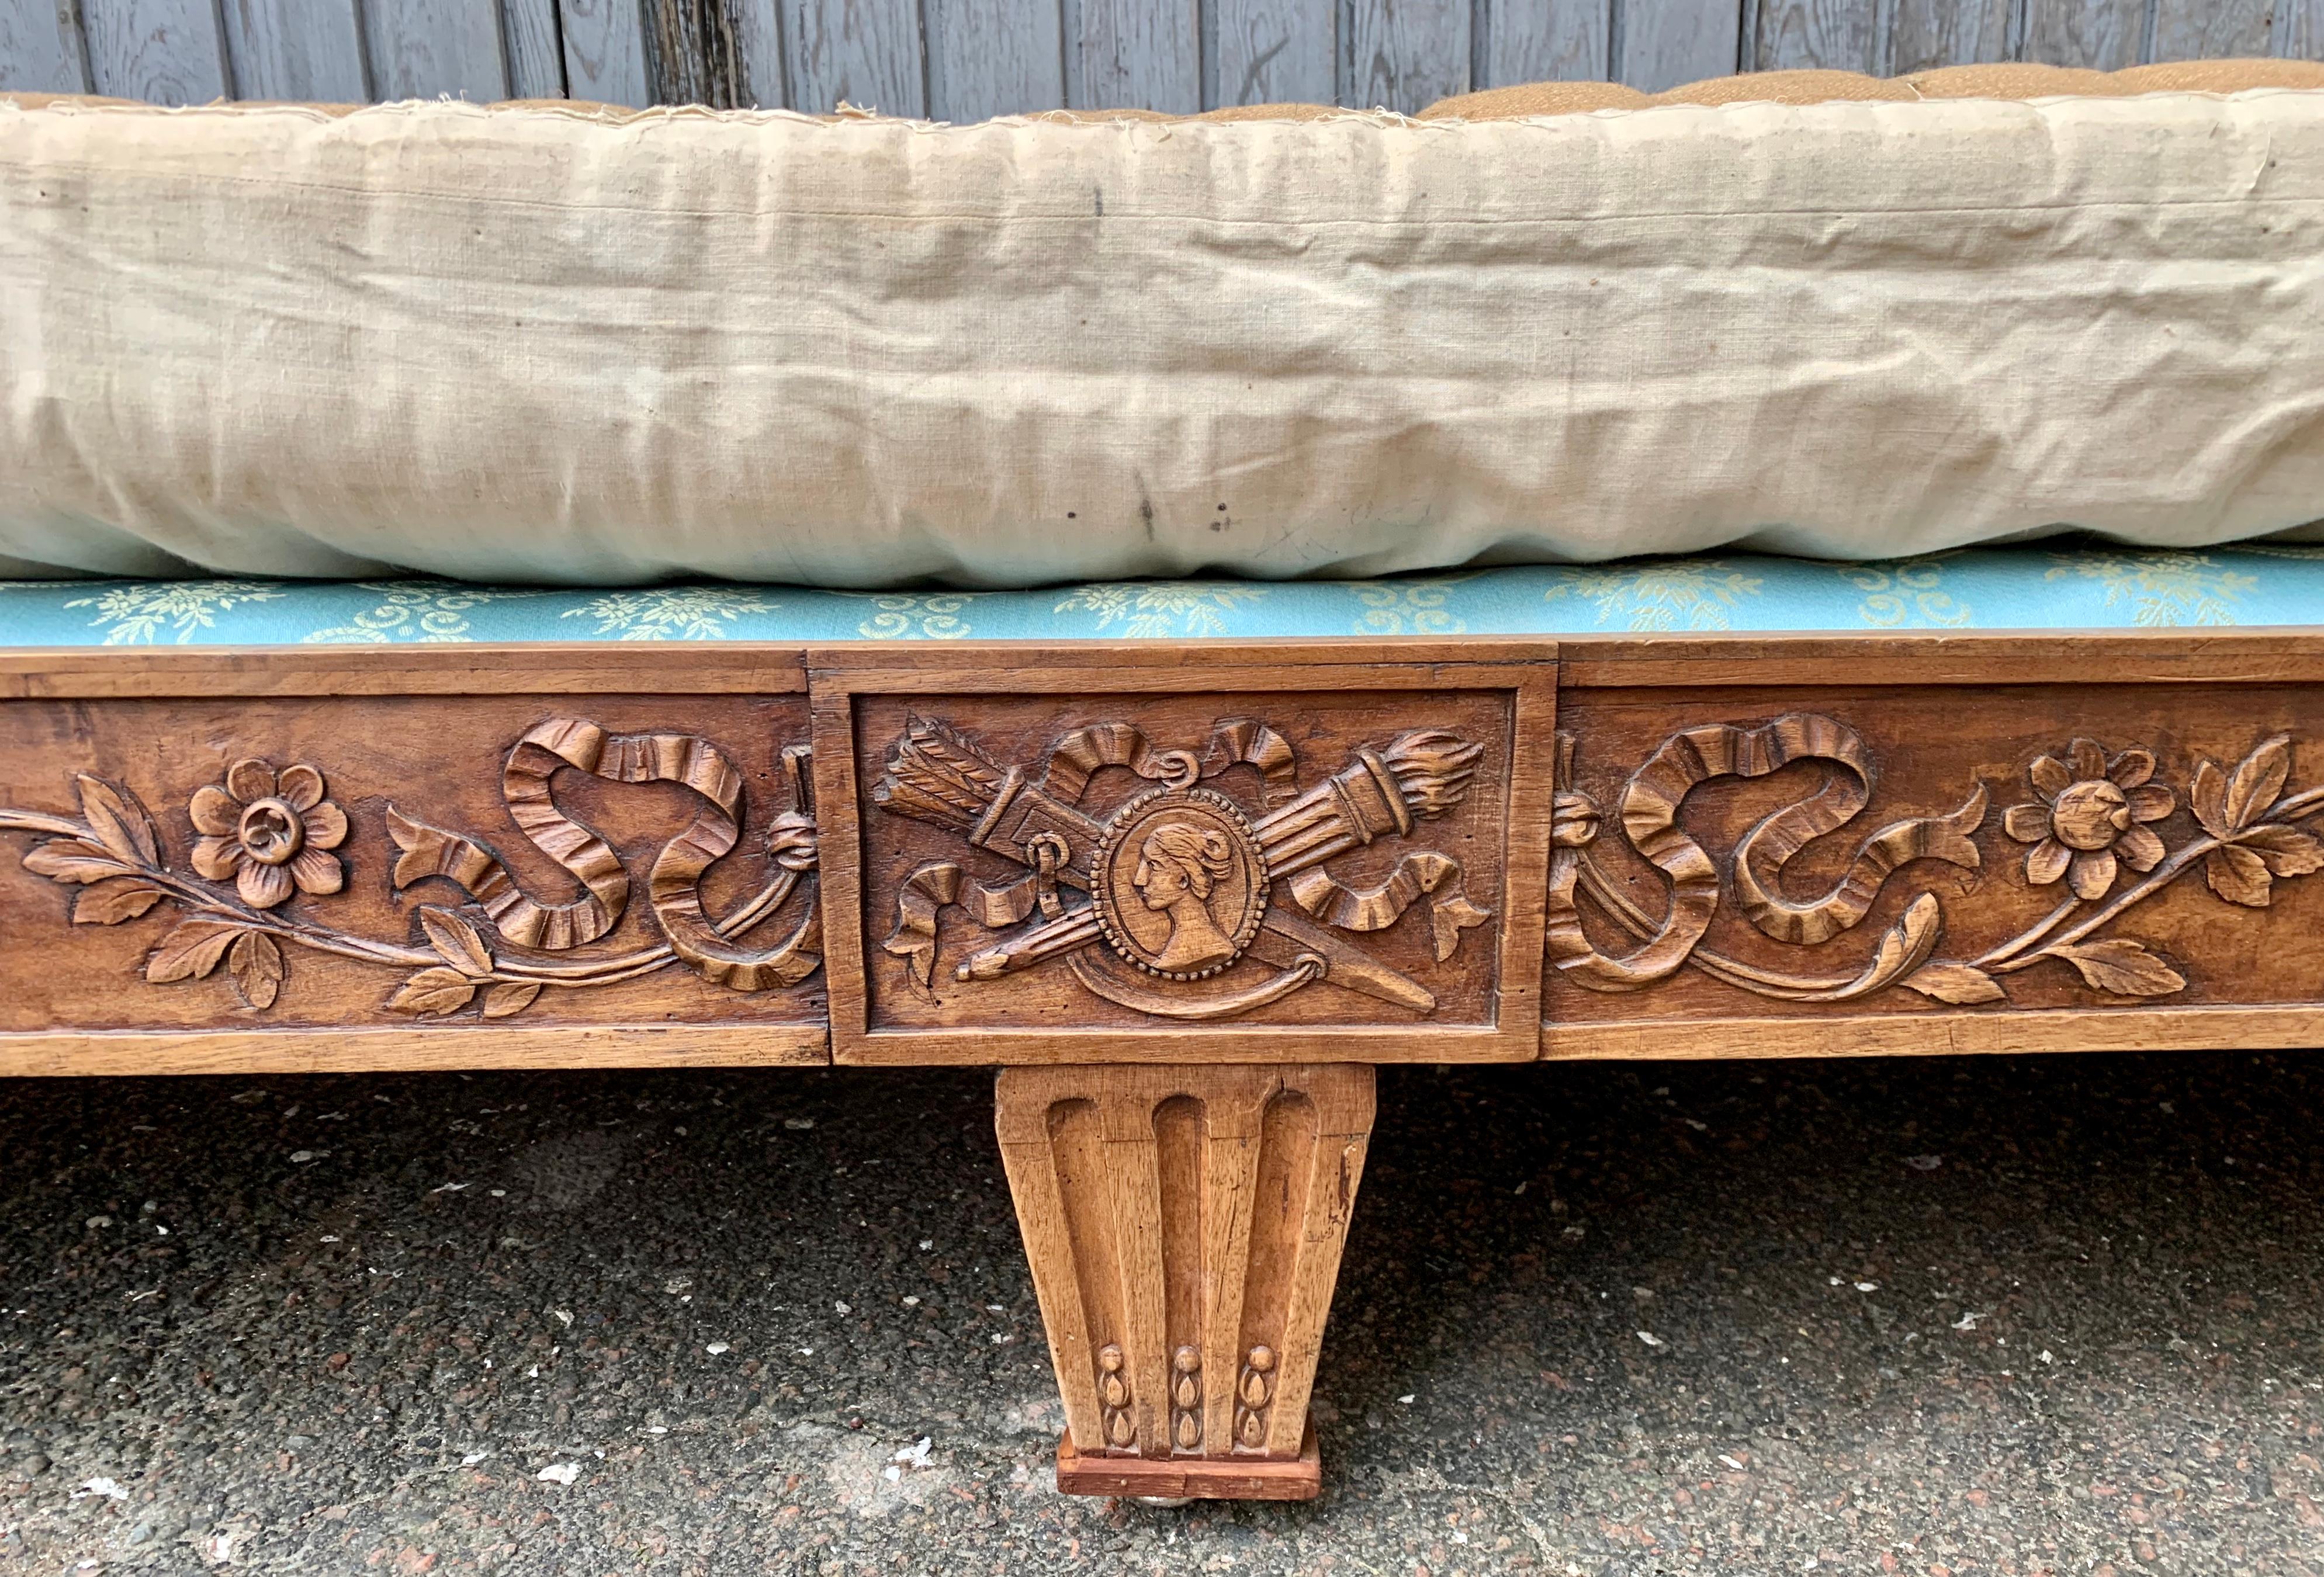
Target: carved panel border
x=1322, y=853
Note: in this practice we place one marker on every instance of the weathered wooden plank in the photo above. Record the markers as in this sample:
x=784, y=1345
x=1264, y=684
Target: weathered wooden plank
x=296, y=50
x=605, y=52
x=2206, y=30
x=863, y=52
x=1842, y=35
x=693, y=53
x=1403, y=54
x=534, y=52
x=163, y=51
x=1135, y=54
x=1929, y=33
x=2299, y=30
x=1663, y=43
x=424, y=48
x=40, y=48
x=1547, y=40
x=2105, y=35
x=762, y=80
x=994, y=57
x=1270, y=51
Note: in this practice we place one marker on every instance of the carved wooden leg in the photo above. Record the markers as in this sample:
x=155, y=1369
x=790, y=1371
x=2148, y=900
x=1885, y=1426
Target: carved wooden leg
x=1184, y=1226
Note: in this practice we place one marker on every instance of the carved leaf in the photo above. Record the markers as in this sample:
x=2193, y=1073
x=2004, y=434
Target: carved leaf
x=192, y=950
x=2121, y=966
x=110, y=902
x=433, y=990
x=256, y=963
x=119, y=822
x=456, y=942
x=1955, y=982
x=2287, y=850
x=2208, y=796
x=2258, y=779
x=71, y=860
x=511, y=998
x=2237, y=875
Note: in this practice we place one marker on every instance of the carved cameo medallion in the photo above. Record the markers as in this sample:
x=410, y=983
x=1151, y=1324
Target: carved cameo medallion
x=1180, y=884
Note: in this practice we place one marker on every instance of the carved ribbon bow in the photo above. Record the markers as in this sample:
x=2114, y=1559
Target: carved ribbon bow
x=673, y=886
x=937, y=775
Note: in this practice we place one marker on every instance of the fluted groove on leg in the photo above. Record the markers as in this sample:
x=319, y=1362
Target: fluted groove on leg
x=1184, y=1226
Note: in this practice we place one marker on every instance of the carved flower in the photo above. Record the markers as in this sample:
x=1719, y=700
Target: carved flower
x=2092, y=817
x=269, y=833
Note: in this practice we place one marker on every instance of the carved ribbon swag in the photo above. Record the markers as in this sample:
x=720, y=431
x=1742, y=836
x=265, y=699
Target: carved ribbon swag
x=266, y=836
x=2092, y=819
x=1182, y=850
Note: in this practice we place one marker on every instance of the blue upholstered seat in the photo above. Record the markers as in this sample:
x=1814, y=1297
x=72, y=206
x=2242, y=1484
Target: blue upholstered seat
x=2036, y=587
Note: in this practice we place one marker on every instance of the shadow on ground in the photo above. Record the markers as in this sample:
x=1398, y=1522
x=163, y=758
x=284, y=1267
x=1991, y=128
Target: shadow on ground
x=1941, y=1317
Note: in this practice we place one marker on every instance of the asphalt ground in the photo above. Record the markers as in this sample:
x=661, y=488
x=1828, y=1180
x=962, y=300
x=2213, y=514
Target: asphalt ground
x=1953, y=1316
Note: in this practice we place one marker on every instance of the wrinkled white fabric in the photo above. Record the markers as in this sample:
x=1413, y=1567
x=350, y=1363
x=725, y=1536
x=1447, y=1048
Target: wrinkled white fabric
x=536, y=344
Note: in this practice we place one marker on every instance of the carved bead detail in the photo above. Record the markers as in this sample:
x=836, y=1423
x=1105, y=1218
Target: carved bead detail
x=1186, y=1398
x=1113, y=1398
x=1254, y=1393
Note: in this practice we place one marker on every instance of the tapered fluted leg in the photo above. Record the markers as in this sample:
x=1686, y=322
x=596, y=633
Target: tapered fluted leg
x=1184, y=1227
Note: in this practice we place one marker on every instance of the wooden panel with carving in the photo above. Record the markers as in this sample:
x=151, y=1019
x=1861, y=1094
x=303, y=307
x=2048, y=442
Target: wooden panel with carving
x=1185, y=861
x=1184, y=1228
x=349, y=880
x=2008, y=865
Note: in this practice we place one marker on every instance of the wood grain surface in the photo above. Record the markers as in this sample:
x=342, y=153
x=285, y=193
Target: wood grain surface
x=937, y=780
x=1184, y=1227
x=151, y=885
x=965, y=58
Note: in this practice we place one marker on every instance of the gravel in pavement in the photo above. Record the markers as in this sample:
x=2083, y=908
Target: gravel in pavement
x=1939, y=1317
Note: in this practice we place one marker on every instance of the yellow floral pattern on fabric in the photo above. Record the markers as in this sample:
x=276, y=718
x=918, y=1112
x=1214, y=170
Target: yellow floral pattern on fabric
x=1159, y=610
x=671, y=613
x=1667, y=594
x=135, y=614
x=2162, y=588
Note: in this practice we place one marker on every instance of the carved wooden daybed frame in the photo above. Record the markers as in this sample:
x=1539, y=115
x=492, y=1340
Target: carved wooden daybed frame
x=1183, y=894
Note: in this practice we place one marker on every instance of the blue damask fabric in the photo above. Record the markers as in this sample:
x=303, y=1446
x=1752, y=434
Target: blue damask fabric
x=2021, y=588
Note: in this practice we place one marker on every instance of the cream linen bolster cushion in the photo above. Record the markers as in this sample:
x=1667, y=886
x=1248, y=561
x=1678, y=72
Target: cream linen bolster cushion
x=531, y=344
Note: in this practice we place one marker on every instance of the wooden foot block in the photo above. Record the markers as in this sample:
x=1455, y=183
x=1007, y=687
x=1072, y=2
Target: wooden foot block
x=1299, y=1477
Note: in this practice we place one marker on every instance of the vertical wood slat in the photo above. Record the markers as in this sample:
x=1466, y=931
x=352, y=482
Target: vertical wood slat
x=1132, y=1184
x=2200, y=30
x=994, y=57
x=2105, y=35
x=2299, y=30
x=1839, y=35
x=1546, y=41
x=863, y=52
x=534, y=50
x=1270, y=51
x=430, y=49
x=1929, y=33
x=1403, y=55
x=40, y=48
x=296, y=50
x=605, y=52
x=1664, y=44
x=1135, y=54
x=162, y=52
x=1040, y=1202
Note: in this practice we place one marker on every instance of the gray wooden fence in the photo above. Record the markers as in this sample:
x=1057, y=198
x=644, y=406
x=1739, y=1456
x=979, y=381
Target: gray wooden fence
x=963, y=59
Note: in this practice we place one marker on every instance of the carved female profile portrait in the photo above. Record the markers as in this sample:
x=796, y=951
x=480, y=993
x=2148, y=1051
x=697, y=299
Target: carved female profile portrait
x=1180, y=884
x=1179, y=865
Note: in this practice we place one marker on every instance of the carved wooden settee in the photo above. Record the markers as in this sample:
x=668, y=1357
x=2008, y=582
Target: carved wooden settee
x=1185, y=860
